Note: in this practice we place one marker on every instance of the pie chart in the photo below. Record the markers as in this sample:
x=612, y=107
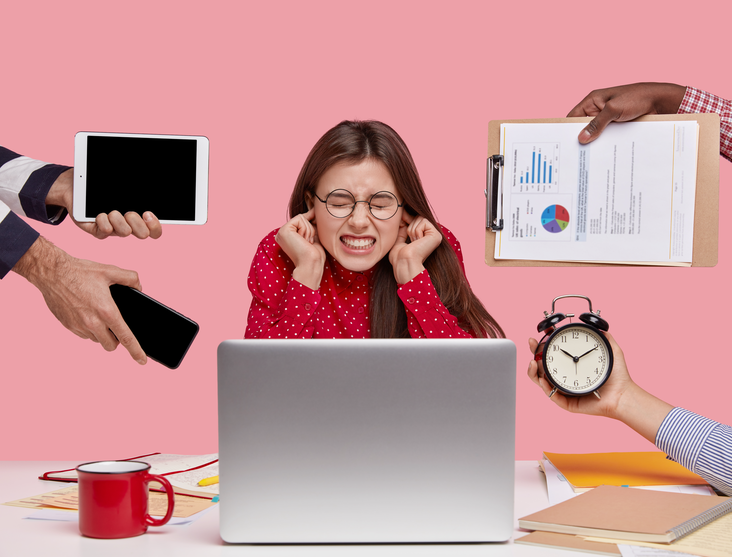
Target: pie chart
x=555, y=218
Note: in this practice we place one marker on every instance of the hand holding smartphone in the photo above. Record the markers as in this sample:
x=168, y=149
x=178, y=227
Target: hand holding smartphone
x=164, y=334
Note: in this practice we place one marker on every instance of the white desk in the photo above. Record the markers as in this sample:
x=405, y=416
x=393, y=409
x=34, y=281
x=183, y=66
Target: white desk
x=19, y=537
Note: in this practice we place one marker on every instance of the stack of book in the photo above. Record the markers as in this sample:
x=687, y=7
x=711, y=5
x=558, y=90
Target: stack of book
x=598, y=517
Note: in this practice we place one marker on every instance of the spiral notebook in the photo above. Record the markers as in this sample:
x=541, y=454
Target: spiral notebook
x=623, y=513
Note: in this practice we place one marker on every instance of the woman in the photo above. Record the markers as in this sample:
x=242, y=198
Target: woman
x=362, y=255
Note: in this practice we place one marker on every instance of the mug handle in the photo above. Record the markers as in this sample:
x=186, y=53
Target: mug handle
x=171, y=500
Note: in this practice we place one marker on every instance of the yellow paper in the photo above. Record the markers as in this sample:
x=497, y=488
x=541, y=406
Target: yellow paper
x=712, y=540
x=38, y=501
x=631, y=469
x=68, y=499
x=184, y=506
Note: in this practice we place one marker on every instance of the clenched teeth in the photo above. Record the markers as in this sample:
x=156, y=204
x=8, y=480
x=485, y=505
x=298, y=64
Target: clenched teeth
x=358, y=243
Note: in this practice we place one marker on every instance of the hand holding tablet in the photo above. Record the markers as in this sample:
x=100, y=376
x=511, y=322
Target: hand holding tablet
x=142, y=226
x=163, y=174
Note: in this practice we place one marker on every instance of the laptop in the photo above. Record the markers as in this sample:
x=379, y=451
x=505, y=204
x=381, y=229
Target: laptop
x=366, y=441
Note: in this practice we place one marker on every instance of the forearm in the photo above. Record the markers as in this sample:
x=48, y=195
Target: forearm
x=406, y=270
x=666, y=97
x=61, y=193
x=427, y=316
x=641, y=411
x=288, y=317
x=41, y=263
x=309, y=274
x=16, y=238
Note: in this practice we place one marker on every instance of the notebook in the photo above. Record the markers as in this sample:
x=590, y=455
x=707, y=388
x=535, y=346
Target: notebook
x=366, y=441
x=622, y=513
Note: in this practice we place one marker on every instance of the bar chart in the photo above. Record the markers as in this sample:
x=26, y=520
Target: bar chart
x=537, y=167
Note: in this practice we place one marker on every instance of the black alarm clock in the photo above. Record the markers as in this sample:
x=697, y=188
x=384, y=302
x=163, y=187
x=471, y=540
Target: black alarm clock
x=577, y=357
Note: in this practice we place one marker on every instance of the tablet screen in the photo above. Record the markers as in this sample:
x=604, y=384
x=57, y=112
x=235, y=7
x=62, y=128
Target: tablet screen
x=141, y=174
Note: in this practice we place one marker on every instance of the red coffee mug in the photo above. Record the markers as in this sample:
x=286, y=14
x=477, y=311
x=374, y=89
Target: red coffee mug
x=113, y=498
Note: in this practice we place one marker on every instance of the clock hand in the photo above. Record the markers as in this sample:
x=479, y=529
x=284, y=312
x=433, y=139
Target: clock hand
x=585, y=354
x=575, y=358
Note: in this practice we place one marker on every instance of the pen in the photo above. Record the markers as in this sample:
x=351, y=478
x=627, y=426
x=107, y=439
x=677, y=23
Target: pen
x=209, y=481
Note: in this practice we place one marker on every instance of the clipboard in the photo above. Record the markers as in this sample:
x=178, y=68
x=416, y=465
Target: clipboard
x=706, y=208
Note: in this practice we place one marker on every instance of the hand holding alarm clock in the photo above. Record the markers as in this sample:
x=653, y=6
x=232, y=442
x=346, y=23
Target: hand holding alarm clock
x=577, y=357
x=622, y=399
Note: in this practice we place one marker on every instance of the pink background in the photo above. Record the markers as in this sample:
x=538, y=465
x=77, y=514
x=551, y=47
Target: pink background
x=263, y=81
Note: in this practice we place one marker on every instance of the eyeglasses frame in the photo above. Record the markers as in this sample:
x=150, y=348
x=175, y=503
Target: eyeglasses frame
x=325, y=202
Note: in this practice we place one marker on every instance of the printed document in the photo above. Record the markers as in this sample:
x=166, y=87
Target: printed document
x=627, y=197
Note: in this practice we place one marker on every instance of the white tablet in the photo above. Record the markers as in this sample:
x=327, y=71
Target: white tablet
x=165, y=174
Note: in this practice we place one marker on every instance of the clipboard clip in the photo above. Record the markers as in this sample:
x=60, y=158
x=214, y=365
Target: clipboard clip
x=492, y=193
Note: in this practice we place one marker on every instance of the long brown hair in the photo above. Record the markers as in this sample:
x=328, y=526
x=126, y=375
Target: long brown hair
x=352, y=142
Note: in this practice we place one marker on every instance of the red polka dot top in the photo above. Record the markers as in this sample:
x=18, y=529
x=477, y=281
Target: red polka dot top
x=284, y=308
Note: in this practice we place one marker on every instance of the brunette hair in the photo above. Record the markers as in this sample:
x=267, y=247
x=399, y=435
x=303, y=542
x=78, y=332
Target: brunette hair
x=352, y=142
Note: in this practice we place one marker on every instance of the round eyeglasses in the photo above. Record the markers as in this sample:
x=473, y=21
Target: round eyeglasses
x=340, y=203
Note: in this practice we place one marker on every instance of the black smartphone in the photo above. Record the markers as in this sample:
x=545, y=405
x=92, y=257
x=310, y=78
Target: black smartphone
x=164, y=334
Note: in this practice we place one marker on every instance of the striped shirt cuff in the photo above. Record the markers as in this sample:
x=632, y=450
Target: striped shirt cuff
x=699, y=444
x=24, y=186
x=33, y=195
x=698, y=101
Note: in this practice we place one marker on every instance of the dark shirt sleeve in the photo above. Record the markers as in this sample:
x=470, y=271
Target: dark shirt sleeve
x=24, y=185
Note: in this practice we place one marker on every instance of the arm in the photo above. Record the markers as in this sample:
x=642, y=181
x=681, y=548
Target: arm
x=24, y=184
x=282, y=306
x=16, y=237
x=699, y=444
x=77, y=293
x=628, y=102
x=656, y=420
x=44, y=192
x=427, y=316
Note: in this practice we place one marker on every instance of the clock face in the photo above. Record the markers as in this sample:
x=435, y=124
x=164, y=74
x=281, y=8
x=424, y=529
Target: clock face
x=577, y=359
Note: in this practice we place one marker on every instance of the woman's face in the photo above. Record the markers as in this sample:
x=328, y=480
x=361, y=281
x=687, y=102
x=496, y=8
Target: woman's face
x=360, y=240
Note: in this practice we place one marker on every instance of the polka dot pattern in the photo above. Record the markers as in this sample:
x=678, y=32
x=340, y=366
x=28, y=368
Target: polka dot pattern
x=284, y=308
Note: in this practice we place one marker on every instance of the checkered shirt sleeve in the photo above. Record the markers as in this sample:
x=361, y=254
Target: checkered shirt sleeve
x=698, y=101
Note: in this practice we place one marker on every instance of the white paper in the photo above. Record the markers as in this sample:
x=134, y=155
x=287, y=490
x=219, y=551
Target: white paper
x=558, y=489
x=626, y=197
x=73, y=516
x=164, y=463
x=638, y=551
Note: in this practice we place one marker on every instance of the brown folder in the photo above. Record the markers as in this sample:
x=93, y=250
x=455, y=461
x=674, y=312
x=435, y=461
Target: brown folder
x=625, y=513
x=706, y=208
x=568, y=541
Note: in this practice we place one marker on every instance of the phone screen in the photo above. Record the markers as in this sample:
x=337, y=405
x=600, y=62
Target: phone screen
x=164, y=334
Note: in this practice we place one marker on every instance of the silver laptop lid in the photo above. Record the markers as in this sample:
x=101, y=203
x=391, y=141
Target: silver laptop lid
x=370, y=441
